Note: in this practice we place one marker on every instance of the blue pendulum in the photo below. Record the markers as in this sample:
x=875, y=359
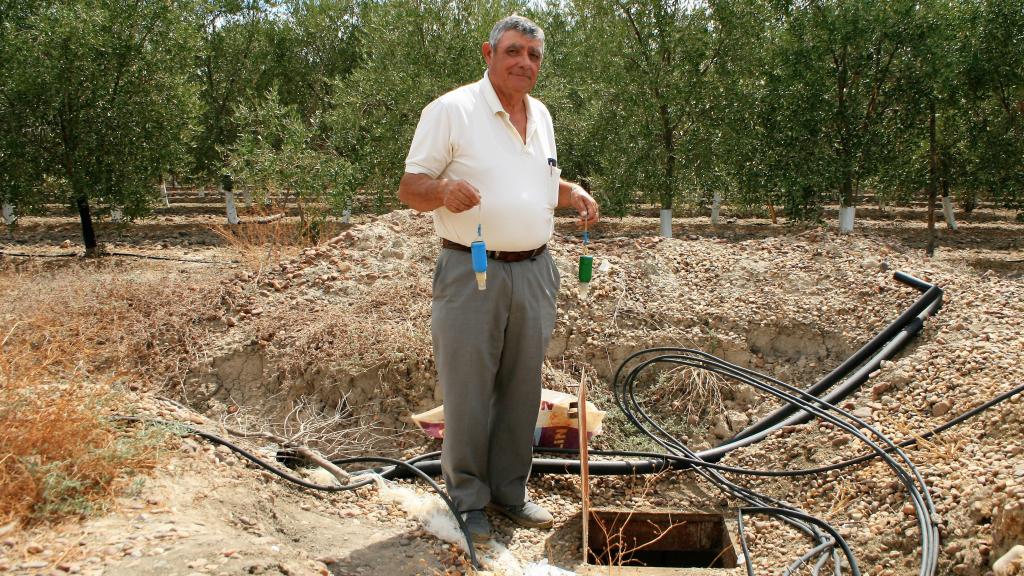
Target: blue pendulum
x=479, y=252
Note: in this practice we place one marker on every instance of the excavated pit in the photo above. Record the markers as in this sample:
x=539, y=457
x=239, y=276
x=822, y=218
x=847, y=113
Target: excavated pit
x=343, y=328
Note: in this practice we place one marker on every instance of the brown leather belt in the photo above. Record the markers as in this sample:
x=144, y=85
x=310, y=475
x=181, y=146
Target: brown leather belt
x=497, y=254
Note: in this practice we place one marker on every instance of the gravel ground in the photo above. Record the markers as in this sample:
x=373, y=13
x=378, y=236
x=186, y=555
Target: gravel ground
x=348, y=322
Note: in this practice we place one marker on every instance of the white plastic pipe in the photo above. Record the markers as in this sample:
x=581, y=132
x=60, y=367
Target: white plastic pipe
x=947, y=209
x=666, y=223
x=229, y=198
x=8, y=211
x=716, y=205
x=846, y=219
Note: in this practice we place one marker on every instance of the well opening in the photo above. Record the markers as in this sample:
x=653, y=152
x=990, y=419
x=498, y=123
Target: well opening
x=658, y=539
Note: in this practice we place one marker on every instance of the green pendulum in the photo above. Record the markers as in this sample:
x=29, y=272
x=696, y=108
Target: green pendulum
x=586, y=265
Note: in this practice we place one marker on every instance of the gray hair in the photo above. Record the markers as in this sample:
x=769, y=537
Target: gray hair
x=520, y=24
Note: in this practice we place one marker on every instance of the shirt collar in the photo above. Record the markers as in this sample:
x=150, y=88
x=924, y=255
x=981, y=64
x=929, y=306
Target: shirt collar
x=495, y=104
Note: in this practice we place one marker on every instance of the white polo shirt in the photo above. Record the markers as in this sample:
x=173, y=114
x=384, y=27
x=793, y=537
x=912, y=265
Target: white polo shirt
x=467, y=135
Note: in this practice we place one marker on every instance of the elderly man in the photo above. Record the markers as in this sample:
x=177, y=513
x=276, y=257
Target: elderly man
x=483, y=159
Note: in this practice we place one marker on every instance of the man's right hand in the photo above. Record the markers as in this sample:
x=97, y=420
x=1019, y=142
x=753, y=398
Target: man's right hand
x=460, y=196
x=423, y=193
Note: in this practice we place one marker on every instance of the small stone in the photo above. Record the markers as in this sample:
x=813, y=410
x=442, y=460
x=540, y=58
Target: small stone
x=863, y=412
x=33, y=548
x=1010, y=563
x=941, y=408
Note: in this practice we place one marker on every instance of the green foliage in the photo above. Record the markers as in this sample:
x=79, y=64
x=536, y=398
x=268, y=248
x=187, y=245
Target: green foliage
x=993, y=69
x=96, y=99
x=300, y=48
x=636, y=83
x=277, y=153
x=769, y=102
x=68, y=489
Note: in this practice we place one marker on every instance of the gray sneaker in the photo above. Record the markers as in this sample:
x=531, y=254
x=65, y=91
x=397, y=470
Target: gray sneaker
x=527, y=514
x=479, y=526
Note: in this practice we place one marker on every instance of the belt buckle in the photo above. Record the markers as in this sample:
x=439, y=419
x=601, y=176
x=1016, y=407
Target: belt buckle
x=496, y=255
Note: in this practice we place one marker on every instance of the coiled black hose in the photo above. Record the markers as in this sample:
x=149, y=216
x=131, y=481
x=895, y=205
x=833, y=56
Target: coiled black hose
x=799, y=404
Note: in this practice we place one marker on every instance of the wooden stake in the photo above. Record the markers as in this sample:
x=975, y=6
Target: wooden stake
x=584, y=460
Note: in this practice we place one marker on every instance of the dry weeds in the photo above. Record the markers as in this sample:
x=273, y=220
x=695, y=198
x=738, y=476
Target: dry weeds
x=75, y=340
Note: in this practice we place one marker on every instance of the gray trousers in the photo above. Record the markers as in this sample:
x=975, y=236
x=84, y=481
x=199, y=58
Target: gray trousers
x=489, y=347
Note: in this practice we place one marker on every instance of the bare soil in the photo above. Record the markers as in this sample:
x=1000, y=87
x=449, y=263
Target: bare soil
x=344, y=326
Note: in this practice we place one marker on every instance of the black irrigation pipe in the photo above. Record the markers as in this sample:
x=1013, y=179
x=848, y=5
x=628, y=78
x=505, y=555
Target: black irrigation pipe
x=128, y=254
x=323, y=487
x=170, y=258
x=626, y=400
x=906, y=323
x=806, y=518
x=912, y=480
x=848, y=386
x=659, y=462
x=801, y=403
x=27, y=255
x=699, y=359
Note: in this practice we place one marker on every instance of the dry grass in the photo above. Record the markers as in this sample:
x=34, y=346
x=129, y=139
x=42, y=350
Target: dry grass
x=74, y=340
x=689, y=391
x=267, y=239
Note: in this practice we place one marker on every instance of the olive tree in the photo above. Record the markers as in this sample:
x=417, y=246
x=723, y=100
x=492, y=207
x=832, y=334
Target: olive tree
x=279, y=153
x=647, y=70
x=101, y=92
x=993, y=69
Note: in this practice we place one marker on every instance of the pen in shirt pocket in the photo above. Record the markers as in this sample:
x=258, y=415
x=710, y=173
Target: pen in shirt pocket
x=552, y=164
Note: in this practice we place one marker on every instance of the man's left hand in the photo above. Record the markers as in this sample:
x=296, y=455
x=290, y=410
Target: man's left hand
x=574, y=196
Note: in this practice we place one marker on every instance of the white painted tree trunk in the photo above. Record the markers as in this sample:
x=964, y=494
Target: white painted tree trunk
x=229, y=198
x=247, y=196
x=716, y=205
x=346, y=216
x=666, y=223
x=947, y=209
x=8, y=211
x=202, y=192
x=846, y=219
x=163, y=192
x=116, y=214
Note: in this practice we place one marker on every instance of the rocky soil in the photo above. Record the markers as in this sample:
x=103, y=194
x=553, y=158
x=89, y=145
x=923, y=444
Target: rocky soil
x=344, y=328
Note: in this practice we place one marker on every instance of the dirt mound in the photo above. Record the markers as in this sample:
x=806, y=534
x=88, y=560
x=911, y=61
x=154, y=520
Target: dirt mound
x=343, y=329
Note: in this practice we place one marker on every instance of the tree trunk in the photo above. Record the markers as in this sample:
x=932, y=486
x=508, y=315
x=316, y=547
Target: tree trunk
x=667, y=195
x=163, y=192
x=846, y=205
x=232, y=211
x=947, y=202
x=716, y=206
x=8, y=212
x=933, y=178
x=88, y=232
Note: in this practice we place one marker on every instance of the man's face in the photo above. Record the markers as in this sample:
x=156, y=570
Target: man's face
x=513, y=64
